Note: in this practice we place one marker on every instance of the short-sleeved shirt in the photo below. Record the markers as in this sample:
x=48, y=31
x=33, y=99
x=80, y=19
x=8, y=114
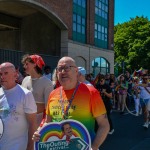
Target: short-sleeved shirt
x=15, y=103
x=86, y=106
x=40, y=87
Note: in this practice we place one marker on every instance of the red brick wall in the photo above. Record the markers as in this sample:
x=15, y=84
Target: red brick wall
x=63, y=9
x=90, y=21
x=111, y=25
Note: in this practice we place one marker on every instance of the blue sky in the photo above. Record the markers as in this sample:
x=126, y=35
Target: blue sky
x=126, y=9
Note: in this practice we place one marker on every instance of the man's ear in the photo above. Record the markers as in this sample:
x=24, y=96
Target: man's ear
x=16, y=74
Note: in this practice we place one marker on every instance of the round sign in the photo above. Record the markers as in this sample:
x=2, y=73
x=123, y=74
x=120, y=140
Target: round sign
x=1, y=128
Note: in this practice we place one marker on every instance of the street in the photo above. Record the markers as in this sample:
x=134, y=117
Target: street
x=129, y=133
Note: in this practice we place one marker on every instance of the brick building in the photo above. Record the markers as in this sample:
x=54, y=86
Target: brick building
x=82, y=29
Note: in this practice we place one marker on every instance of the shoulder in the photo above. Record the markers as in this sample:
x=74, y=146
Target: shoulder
x=88, y=88
x=45, y=79
x=22, y=89
x=26, y=79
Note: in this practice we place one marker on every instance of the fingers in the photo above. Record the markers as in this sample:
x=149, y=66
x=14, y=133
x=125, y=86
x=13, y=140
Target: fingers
x=36, y=137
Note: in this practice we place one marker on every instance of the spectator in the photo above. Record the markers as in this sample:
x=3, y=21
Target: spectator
x=47, y=72
x=106, y=94
x=81, y=76
x=77, y=101
x=122, y=87
x=128, y=79
x=40, y=85
x=19, y=76
x=145, y=98
x=17, y=110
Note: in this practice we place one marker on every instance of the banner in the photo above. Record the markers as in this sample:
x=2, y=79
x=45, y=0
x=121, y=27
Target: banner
x=66, y=135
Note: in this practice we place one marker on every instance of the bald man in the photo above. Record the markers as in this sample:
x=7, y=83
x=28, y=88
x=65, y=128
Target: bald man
x=17, y=110
x=78, y=101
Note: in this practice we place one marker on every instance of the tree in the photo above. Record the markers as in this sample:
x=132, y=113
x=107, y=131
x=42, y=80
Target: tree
x=132, y=43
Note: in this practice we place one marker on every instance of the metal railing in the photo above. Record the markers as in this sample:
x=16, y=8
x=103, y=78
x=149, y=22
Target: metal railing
x=15, y=57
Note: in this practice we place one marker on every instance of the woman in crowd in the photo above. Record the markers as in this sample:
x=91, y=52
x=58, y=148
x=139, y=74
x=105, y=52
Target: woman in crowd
x=121, y=88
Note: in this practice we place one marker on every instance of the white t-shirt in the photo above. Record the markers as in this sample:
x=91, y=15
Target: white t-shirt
x=14, y=104
x=144, y=93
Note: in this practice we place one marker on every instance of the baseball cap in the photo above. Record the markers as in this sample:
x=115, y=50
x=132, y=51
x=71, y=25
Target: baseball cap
x=82, y=70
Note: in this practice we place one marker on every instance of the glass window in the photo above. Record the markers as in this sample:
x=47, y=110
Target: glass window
x=99, y=35
x=100, y=5
x=74, y=17
x=101, y=23
x=95, y=26
x=79, y=2
x=79, y=20
x=100, y=65
x=96, y=10
x=75, y=1
x=96, y=34
x=83, y=21
x=78, y=28
x=74, y=27
x=83, y=3
x=83, y=30
x=96, y=3
x=103, y=7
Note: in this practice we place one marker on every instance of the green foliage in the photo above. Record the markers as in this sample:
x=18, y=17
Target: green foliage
x=132, y=43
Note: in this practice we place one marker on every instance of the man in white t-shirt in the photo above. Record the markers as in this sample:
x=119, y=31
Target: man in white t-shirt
x=145, y=98
x=17, y=110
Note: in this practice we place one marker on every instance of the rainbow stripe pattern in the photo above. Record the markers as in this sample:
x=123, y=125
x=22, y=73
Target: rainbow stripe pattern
x=53, y=129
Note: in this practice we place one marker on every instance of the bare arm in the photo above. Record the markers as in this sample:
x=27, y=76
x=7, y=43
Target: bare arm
x=31, y=118
x=103, y=129
x=36, y=135
x=109, y=95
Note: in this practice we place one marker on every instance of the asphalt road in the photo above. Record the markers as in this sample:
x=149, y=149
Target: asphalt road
x=129, y=133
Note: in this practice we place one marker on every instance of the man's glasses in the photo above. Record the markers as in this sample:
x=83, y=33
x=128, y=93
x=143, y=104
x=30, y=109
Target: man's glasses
x=65, y=68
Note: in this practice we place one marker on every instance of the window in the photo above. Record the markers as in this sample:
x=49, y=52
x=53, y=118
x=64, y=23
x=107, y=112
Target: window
x=101, y=23
x=100, y=65
x=79, y=20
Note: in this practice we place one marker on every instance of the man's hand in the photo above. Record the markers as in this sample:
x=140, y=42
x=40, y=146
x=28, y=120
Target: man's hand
x=36, y=137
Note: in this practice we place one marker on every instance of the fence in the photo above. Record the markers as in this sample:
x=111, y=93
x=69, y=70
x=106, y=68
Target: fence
x=15, y=57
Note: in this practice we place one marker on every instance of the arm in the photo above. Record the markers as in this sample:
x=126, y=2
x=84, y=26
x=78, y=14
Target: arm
x=103, y=129
x=36, y=135
x=109, y=95
x=31, y=118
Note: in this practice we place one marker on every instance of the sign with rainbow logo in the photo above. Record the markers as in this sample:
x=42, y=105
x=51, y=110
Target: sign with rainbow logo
x=1, y=128
x=65, y=135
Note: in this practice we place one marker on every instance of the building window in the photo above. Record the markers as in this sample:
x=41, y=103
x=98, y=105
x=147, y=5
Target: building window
x=100, y=65
x=79, y=20
x=101, y=23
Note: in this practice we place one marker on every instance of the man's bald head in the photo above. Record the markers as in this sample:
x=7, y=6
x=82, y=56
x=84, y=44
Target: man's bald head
x=7, y=65
x=67, y=59
x=8, y=75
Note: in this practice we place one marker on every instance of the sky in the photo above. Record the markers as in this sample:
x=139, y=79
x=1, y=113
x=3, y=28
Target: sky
x=126, y=9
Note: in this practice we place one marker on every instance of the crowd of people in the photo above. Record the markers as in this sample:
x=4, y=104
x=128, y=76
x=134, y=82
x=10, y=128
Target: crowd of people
x=27, y=103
